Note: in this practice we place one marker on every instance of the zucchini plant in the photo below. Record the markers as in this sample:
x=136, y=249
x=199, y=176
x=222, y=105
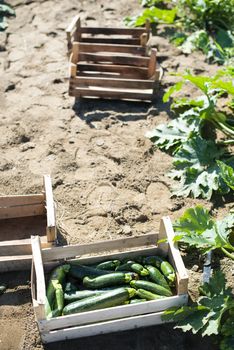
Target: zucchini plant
x=205, y=25
x=190, y=137
x=211, y=314
x=196, y=228
x=5, y=11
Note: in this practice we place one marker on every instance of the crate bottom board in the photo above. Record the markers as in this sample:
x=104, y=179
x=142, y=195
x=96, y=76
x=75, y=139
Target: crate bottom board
x=117, y=95
x=21, y=228
x=103, y=327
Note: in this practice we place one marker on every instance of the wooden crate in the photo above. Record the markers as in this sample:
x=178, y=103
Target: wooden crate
x=111, y=62
x=111, y=319
x=20, y=217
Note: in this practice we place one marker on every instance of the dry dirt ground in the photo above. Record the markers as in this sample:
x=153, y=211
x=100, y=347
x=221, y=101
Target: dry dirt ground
x=108, y=182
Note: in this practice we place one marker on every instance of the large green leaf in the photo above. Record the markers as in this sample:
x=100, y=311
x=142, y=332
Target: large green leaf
x=208, y=314
x=175, y=133
x=227, y=173
x=196, y=228
x=196, y=169
x=194, y=219
x=154, y=15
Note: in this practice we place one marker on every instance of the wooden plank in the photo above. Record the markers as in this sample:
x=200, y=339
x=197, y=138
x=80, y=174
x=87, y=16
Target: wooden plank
x=144, y=39
x=110, y=40
x=176, y=259
x=71, y=28
x=114, y=94
x=122, y=311
x=103, y=328
x=13, y=201
x=102, y=246
x=131, y=49
x=20, y=247
x=22, y=211
x=113, y=82
x=15, y=263
x=124, y=60
x=152, y=63
x=113, y=31
x=75, y=53
x=39, y=271
x=128, y=71
x=50, y=209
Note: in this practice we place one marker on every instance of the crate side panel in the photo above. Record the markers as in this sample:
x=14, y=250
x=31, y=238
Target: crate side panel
x=103, y=328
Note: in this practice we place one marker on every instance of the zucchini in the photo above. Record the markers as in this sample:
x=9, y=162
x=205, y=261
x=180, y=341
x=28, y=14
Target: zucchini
x=157, y=277
x=163, y=265
x=112, y=279
x=2, y=289
x=81, y=294
x=133, y=266
x=80, y=271
x=145, y=294
x=108, y=265
x=151, y=287
x=112, y=298
x=136, y=301
x=54, y=293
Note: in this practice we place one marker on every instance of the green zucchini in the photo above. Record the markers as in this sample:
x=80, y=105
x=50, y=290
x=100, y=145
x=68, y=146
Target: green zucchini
x=156, y=276
x=145, y=294
x=108, y=265
x=112, y=298
x=151, y=287
x=54, y=292
x=112, y=279
x=168, y=271
x=163, y=265
x=133, y=266
x=136, y=301
x=81, y=294
x=80, y=271
x=2, y=289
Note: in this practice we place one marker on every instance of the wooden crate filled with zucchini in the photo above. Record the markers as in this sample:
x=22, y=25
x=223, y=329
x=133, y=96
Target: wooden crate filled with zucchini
x=20, y=217
x=78, y=291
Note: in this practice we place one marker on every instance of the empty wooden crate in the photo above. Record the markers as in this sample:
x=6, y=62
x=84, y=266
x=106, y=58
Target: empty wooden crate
x=111, y=62
x=20, y=217
x=113, y=319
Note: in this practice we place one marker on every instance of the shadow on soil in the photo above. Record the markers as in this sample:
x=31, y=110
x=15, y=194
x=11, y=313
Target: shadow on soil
x=150, y=338
x=93, y=110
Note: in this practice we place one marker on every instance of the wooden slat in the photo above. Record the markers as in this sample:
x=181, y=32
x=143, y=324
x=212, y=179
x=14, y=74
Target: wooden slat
x=152, y=63
x=131, y=49
x=135, y=72
x=112, y=82
x=102, y=246
x=114, y=94
x=50, y=209
x=20, y=246
x=21, y=211
x=113, y=31
x=13, y=201
x=111, y=313
x=175, y=257
x=39, y=270
x=15, y=263
x=103, y=327
x=110, y=40
x=124, y=60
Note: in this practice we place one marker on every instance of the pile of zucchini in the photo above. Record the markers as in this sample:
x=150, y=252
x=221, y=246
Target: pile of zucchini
x=74, y=288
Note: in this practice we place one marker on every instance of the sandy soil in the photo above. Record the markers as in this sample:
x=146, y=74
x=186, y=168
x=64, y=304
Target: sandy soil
x=108, y=182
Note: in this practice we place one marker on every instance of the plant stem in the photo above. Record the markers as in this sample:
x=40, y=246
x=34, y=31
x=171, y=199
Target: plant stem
x=231, y=256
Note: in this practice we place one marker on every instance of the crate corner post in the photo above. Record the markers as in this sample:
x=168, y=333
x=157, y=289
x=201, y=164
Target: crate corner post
x=50, y=209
